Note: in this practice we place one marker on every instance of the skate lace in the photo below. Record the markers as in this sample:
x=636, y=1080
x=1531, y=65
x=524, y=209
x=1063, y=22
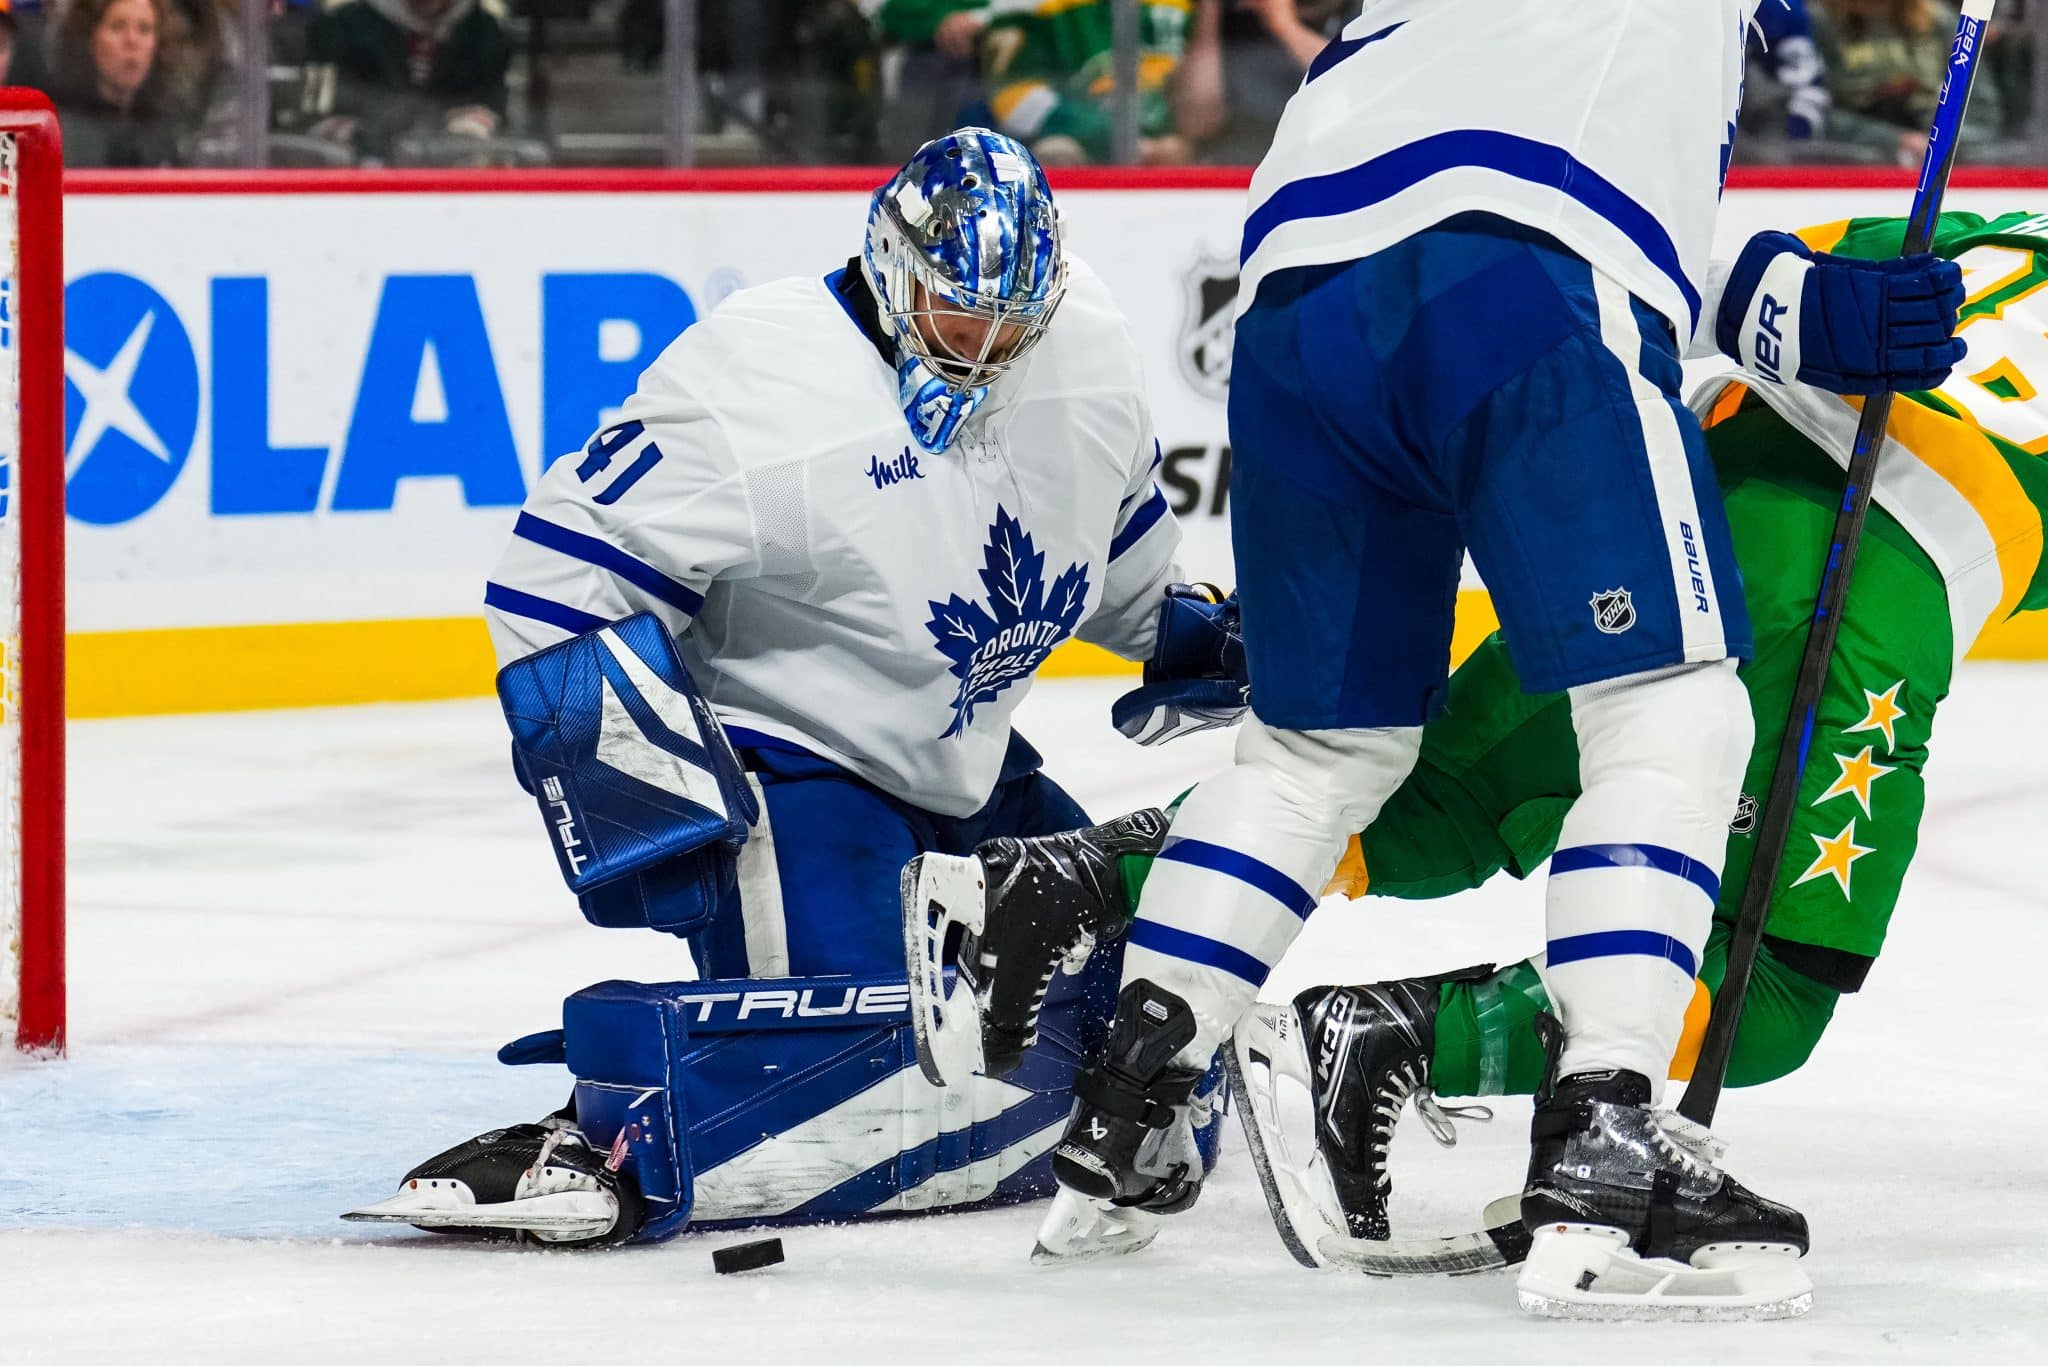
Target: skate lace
x=1692, y=1146
x=1410, y=1084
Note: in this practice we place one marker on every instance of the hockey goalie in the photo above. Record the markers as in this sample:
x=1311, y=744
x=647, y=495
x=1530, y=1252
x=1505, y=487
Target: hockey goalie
x=762, y=639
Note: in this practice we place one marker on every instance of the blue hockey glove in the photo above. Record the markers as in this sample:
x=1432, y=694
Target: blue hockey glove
x=1196, y=678
x=1837, y=323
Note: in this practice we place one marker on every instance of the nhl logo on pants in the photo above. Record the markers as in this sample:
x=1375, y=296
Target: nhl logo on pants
x=1613, y=611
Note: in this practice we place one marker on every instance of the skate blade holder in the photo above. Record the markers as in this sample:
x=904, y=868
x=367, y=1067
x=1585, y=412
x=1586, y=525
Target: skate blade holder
x=941, y=892
x=1077, y=1229
x=559, y=1216
x=1501, y=1242
x=1583, y=1271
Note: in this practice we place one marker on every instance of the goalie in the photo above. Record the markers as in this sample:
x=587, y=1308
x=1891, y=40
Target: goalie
x=762, y=639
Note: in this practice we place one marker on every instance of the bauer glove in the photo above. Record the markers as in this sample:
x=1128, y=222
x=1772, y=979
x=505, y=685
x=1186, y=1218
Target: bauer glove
x=1837, y=323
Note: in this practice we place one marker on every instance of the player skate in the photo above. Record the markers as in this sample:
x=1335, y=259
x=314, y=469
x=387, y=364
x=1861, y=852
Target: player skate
x=542, y=1181
x=1019, y=910
x=1129, y=1155
x=1631, y=1217
x=1320, y=1085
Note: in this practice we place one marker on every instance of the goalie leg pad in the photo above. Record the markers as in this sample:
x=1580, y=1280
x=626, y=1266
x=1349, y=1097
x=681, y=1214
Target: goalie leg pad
x=800, y=1100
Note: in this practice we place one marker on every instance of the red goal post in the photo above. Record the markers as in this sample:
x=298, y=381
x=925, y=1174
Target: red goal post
x=31, y=573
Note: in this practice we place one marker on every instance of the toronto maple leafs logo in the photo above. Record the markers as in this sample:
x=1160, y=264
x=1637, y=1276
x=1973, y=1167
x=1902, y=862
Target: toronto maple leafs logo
x=995, y=644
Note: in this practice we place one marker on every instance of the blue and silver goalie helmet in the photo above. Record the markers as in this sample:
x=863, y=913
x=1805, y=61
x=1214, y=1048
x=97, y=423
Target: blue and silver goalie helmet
x=967, y=226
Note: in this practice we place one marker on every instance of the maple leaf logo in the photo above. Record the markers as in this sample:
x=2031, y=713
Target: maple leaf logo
x=993, y=645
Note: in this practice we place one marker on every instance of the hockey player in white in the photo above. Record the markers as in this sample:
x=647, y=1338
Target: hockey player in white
x=865, y=508
x=1473, y=259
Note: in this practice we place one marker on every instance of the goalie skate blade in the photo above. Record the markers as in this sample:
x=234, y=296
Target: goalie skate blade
x=1580, y=1271
x=940, y=891
x=1502, y=1243
x=1077, y=1229
x=563, y=1215
x=1252, y=1090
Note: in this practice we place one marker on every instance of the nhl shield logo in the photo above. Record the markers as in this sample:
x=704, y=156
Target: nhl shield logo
x=1745, y=815
x=1207, y=325
x=1614, y=611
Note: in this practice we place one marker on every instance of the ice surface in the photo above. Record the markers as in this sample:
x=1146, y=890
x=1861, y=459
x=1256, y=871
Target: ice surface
x=296, y=937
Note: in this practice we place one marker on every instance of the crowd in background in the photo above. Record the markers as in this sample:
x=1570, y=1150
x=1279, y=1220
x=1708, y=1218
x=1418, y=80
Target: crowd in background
x=161, y=82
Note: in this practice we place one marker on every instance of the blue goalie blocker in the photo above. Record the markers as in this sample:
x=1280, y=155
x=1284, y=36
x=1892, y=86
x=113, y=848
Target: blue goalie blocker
x=644, y=799
x=799, y=1100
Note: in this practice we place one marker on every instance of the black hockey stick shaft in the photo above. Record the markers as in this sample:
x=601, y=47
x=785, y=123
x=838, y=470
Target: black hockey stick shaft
x=1774, y=820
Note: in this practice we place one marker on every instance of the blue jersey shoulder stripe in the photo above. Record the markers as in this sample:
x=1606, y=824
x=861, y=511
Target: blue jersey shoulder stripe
x=515, y=603
x=1148, y=514
x=1339, y=48
x=607, y=556
x=1539, y=163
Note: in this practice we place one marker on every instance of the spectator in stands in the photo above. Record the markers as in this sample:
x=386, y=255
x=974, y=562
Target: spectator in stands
x=203, y=74
x=1050, y=71
x=107, y=80
x=1789, y=97
x=7, y=37
x=2009, y=61
x=934, y=56
x=1244, y=60
x=1885, y=60
x=381, y=68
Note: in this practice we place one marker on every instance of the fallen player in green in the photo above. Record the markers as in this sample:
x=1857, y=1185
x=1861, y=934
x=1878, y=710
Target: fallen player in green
x=1953, y=544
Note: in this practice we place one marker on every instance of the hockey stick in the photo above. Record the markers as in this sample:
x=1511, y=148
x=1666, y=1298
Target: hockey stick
x=1774, y=825
x=1496, y=1245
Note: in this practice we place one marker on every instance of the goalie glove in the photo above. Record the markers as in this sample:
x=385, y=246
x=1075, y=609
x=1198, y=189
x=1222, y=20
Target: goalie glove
x=1196, y=678
x=1837, y=323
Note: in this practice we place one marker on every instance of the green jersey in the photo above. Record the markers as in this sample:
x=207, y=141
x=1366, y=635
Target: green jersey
x=1962, y=472
x=1051, y=67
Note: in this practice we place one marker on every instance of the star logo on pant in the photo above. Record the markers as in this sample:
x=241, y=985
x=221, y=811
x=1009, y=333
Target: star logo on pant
x=1881, y=709
x=1837, y=858
x=1858, y=773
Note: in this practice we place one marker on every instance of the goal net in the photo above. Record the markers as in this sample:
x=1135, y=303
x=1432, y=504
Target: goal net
x=31, y=576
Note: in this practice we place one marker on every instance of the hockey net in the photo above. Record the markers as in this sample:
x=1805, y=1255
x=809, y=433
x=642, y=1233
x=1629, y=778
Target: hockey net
x=31, y=576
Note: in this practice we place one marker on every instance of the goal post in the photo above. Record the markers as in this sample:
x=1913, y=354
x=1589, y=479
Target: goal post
x=31, y=573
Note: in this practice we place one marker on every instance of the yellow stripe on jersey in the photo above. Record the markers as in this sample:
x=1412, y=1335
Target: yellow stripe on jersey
x=1726, y=406
x=1825, y=237
x=1967, y=461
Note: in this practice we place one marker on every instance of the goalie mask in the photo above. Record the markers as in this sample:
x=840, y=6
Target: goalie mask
x=963, y=256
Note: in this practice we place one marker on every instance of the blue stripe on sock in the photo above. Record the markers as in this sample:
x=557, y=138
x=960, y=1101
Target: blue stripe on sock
x=1621, y=943
x=608, y=557
x=1196, y=948
x=518, y=604
x=1583, y=856
x=1246, y=869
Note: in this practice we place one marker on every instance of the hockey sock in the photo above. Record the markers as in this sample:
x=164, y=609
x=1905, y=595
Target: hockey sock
x=1486, y=1041
x=1248, y=851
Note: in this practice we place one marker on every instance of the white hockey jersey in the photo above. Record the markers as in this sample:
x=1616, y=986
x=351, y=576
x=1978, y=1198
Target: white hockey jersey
x=833, y=585
x=1605, y=123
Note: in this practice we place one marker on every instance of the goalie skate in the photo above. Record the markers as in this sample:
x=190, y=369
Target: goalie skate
x=943, y=894
x=538, y=1180
x=1013, y=913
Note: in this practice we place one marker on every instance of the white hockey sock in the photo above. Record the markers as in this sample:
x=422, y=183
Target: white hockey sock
x=1246, y=860
x=1637, y=871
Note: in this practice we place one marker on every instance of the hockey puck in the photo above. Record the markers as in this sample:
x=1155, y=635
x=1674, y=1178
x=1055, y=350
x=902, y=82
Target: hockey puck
x=746, y=1256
